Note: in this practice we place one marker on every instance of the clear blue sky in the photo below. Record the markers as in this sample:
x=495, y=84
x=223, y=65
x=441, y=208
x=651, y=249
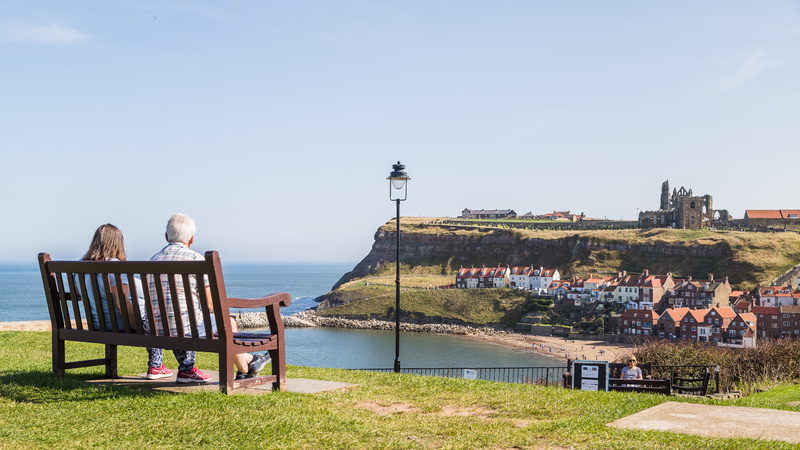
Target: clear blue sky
x=275, y=124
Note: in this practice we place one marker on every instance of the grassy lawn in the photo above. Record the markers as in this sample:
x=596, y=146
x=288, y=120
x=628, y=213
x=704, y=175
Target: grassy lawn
x=38, y=410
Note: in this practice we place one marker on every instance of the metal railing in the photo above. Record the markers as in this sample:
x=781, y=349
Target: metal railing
x=545, y=376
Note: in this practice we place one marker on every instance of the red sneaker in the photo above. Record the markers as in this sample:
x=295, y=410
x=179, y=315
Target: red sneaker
x=194, y=376
x=158, y=372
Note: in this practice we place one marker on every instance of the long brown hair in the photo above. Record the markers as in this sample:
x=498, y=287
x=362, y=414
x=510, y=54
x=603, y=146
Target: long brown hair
x=107, y=243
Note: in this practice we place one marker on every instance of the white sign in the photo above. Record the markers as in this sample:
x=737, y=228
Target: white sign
x=589, y=385
x=590, y=372
x=470, y=374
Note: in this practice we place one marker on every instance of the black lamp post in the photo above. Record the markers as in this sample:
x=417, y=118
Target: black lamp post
x=398, y=189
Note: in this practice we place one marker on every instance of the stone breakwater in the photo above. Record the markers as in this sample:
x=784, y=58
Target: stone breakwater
x=310, y=319
x=259, y=320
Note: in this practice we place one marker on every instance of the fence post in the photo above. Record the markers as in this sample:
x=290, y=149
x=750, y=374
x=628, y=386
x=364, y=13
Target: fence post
x=547, y=377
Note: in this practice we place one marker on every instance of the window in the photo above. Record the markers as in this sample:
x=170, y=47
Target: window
x=683, y=328
x=786, y=323
x=694, y=328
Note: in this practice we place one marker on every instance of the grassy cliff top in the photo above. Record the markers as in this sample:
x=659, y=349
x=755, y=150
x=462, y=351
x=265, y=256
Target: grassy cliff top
x=749, y=258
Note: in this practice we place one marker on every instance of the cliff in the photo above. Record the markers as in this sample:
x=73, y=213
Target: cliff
x=746, y=258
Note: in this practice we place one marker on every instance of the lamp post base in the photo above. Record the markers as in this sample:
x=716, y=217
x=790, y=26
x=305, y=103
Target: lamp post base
x=397, y=365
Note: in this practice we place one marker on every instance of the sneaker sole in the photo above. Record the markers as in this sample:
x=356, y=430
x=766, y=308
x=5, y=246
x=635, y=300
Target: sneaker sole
x=254, y=373
x=192, y=380
x=156, y=376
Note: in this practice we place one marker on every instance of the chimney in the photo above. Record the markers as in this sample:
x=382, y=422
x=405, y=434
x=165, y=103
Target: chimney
x=646, y=273
x=624, y=273
x=689, y=279
x=711, y=278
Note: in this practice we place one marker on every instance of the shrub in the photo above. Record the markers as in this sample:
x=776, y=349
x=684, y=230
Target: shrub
x=771, y=362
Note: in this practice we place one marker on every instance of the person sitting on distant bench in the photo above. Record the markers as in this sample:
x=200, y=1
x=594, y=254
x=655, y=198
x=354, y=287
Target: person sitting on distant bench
x=180, y=236
x=631, y=372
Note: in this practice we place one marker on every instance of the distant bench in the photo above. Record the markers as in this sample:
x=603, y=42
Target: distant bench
x=617, y=383
x=68, y=301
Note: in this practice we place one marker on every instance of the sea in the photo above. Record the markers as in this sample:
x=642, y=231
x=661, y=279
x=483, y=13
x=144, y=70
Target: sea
x=22, y=299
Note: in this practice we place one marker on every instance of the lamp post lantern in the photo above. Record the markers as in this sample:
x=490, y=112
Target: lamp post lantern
x=398, y=190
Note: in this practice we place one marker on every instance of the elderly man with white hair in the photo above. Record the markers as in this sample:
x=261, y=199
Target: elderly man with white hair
x=180, y=236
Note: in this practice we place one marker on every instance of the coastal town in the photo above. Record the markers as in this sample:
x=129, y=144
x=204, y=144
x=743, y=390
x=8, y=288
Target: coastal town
x=657, y=306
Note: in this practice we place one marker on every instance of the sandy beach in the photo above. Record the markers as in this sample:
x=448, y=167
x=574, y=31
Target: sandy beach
x=558, y=348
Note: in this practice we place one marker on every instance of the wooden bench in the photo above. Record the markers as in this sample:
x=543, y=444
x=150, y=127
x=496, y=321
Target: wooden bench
x=692, y=386
x=645, y=385
x=67, y=286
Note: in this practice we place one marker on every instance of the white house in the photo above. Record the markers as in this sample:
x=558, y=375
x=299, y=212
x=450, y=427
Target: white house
x=542, y=278
x=520, y=276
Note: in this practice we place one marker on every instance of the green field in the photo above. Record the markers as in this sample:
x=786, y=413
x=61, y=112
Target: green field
x=385, y=411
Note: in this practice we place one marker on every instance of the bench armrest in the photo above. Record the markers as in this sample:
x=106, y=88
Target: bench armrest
x=280, y=298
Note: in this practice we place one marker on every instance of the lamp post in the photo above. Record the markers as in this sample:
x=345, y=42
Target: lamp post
x=398, y=189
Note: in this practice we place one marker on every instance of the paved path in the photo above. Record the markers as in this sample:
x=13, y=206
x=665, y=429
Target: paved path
x=302, y=385
x=716, y=421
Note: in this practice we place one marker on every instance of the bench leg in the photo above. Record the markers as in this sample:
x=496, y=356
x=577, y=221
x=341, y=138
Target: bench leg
x=59, y=362
x=278, y=369
x=226, y=373
x=111, y=361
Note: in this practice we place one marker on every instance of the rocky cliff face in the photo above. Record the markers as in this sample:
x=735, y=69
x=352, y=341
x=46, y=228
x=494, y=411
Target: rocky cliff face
x=446, y=252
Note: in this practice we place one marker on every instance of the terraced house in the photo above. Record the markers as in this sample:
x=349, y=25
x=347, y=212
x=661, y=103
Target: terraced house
x=777, y=296
x=695, y=294
x=641, y=322
x=485, y=277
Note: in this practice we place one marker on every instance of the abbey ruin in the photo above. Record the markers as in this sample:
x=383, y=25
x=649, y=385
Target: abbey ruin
x=682, y=209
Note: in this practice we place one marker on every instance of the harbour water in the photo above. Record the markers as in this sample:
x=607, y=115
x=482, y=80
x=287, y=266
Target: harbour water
x=22, y=299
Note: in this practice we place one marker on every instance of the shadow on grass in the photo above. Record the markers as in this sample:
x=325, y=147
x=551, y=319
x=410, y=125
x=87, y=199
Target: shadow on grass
x=38, y=386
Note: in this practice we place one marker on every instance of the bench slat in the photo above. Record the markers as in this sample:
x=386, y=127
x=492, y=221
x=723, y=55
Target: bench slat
x=204, y=300
x=76, y=303
x=176, y=303
x=63, y=301
x=190, y=306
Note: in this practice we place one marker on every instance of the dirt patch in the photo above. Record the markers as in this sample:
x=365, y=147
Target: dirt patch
x=386, y=410
x=466, y=411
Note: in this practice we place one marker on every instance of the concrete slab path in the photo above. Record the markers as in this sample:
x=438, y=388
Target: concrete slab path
x=716, y=421
x=302, y=385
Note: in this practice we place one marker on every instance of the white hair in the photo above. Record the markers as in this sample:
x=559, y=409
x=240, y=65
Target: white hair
x=180, y=228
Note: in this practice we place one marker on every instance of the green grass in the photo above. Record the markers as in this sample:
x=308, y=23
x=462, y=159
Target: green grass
x=472, y=306
x=38, y=410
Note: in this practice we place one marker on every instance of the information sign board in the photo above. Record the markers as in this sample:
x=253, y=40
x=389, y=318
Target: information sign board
x=590, y=375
